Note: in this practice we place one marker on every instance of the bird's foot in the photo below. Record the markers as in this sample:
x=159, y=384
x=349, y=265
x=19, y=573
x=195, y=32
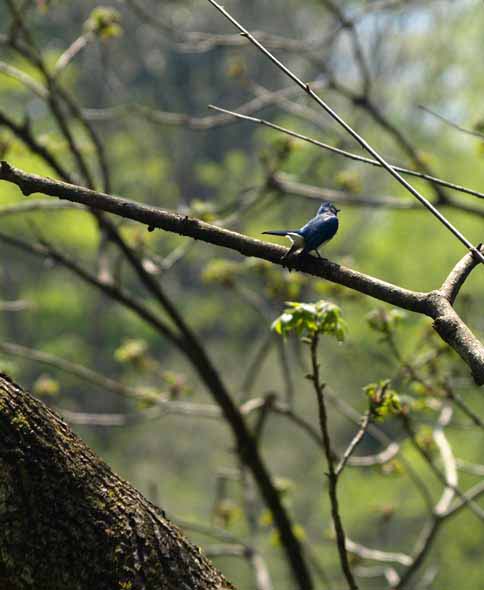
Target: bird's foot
x=286, y=262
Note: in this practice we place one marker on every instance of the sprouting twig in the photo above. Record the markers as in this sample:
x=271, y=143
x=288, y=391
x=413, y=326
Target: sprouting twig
x=332, y=476
x=71, y=52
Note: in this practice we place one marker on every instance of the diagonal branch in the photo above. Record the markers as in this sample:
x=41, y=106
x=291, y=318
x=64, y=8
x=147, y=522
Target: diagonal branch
x=69, y=521
x=453, y=283
x=447, y=323
x=332, y=476
x=354, y=443
x=350, y=155
x=154, y=217
x=364, y=144
x=246, y=444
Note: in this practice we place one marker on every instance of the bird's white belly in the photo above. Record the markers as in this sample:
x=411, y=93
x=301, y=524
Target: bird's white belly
x=297, y=240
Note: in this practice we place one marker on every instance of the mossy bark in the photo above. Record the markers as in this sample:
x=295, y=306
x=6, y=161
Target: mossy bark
x=68, y=522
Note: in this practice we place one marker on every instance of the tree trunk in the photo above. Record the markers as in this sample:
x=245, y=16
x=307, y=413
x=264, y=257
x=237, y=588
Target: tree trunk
x=68, y=522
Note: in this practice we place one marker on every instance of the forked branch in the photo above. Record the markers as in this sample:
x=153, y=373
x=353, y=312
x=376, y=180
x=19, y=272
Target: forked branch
x=434, y=304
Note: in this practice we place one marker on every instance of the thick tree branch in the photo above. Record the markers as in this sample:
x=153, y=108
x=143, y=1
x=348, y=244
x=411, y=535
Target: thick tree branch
x=458, y=275
x=433, y=304
x=246, y=444
x=154, y=217
x=69, y=522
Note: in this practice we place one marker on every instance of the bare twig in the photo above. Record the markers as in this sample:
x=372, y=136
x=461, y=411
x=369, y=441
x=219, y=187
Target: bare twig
x=23, y=78
x=431, y=528
x=460, y=403
x=109, y=420
x=70, y=53
x=448, y=460
x=446, y=321
x=332, y=476
x=377, y=555
x=472, y=468
x=208, y=373
x=472, y=494
x=364, y=144
x=353, y=444
x=18, y=305
x=350, y=155
x=263, y=100
x=380, y=458
x=351, y=414
x=451, y=487
x=37, y=205
x=451, y=123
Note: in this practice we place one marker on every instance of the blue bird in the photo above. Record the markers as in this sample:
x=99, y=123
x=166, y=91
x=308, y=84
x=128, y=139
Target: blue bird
x=317, y=231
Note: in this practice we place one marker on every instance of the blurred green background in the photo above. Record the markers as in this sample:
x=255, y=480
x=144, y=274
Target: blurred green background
x=419, y=53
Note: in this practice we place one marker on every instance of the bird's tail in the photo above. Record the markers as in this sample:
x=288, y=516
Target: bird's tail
x=282, y=232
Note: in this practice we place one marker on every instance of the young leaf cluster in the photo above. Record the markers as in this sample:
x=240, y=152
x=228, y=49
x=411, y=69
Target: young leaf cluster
x=384, y=402
x=311, y=319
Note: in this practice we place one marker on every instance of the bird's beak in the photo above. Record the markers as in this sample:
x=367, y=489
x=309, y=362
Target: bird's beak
x=337, y=210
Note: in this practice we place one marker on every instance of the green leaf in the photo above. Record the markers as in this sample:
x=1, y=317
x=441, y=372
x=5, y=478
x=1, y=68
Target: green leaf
x=309, y=319
x=384, y=402
x=132, y=351
x=46, y=386
x=104, y=22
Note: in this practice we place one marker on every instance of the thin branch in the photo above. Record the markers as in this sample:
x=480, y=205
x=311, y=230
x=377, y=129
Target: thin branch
x=37, y=205
x=109, y=420
x=14, y=306
x=70, y=53
x=353, y=444
x=472, y=494
x=377, y=555
x=80, y=371
x=446, y=321
x=475, y=509
x=23, y=78
x=425, y=543
x=201, y=42
x=441, y=509
x=109, y=289
x=262, y=101
x=24, y=133
x=451, y=123
x=280, y=183
x=332, y=477
x=351, y=414
x=472, y=468
x=448, y=460
x=199, y=359
x=364, y=144
x=350, y=155
x=380, y=458
x=460, y=403
x=255, y=365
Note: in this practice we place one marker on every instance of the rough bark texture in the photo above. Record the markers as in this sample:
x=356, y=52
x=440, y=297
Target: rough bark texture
x=68, y=522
